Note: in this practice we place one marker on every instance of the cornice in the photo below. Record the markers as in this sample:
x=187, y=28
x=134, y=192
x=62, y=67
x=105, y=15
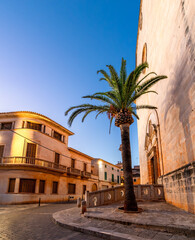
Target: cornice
x=36, y=116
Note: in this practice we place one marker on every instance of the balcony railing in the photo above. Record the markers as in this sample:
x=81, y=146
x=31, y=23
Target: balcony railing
x=73, y=171
x=112, y=180
x=32, y=162
x=85, y=174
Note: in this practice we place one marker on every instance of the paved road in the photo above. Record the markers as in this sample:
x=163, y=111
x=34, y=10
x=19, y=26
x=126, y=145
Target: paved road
x=30, y=222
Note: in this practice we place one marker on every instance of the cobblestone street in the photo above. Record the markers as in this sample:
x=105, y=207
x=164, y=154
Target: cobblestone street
x=30, y=222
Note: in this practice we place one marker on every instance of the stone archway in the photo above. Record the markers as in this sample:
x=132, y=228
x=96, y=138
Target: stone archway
x=94, y=187
x=152, y=153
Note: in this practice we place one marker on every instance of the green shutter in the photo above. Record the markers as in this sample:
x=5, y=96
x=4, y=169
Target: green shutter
x=105, y=175
x=112, y=177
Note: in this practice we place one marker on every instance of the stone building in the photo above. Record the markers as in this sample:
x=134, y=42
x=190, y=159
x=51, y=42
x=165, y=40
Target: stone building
x=36, y=162
x=135, y=172
x=109, y=174
x=166, y=40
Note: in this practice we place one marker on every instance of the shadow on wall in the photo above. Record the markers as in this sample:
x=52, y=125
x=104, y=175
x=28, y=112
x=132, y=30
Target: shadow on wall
x=178, y=94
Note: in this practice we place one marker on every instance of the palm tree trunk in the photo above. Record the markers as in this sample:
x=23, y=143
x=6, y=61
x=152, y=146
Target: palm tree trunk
x=130, y=203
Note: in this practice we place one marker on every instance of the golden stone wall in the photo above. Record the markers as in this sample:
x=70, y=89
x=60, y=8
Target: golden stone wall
x=167, y=33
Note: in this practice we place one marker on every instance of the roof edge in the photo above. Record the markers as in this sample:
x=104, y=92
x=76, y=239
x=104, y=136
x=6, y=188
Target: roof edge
x=106, y=162
x=78, y=152
x=37, y=114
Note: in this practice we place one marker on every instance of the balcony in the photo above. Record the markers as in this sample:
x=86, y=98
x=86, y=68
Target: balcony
x=85, y=174
x=33, y=162
x=73, y=171
x=112, y=181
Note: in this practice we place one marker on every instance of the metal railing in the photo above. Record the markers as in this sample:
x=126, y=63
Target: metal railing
x=32, y=161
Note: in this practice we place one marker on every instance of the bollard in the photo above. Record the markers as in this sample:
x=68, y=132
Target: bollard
x=79, y=202
x=39, y=202
x=83, y=207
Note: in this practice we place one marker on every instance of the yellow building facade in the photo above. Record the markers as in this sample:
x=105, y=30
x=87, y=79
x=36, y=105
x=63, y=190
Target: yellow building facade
x=36, y=162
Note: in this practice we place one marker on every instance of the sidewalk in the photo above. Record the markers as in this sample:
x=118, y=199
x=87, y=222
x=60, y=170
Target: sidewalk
x=158, y=221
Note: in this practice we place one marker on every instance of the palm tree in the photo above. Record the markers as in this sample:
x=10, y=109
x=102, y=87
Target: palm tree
x=119, y=104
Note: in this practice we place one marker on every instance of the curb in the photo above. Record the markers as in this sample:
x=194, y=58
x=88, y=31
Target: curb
x=163, y=228
x=95, y=231
x=58, y=218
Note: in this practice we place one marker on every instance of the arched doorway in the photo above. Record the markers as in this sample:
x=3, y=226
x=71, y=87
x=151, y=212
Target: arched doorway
x=152, y=152
x=94, y=187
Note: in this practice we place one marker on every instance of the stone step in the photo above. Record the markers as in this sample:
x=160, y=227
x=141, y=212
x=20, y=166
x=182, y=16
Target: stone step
x=110, y=230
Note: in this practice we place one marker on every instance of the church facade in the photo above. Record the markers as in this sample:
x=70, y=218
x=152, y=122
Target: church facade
x=166, y=40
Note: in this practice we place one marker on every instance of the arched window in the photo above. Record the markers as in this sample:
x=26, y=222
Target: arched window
x=144, y=55
x=140, y=21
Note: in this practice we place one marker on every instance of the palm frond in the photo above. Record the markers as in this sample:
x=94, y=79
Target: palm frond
x=111, y=119
x=101, y=98
x=147, y=84
x=125, y=90
x=84, y=108
x=144, y=107
x=115, y=78
x=123, y=72
x=135, y=114
x=106, y=77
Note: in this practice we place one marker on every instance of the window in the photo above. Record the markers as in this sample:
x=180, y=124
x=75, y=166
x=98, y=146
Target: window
x=105, y=166
x=6, y=125
x=105, y=175
x=42, y=186
x=121, y=169
x=85, y=167
x=30, y=153
x=35, y=126
x=112, y=168
x=71, y=188
x=44, y=129
x=72, y=163
x=140, y=21
x=84, y=188
x=118, y=179
x=1, y=152
x=11, y=184
x=144, y=56
x=55, y=188
x=117, y=170
x=112, y=177
x=27, y=185
x=134, y=180
x=57, y=158
x=57, y=136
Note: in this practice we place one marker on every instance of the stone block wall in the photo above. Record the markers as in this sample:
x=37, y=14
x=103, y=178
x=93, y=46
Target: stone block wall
x=179, y=187
x=167, y=33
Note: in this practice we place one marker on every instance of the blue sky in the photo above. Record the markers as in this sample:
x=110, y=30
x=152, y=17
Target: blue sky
x=50, y=52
